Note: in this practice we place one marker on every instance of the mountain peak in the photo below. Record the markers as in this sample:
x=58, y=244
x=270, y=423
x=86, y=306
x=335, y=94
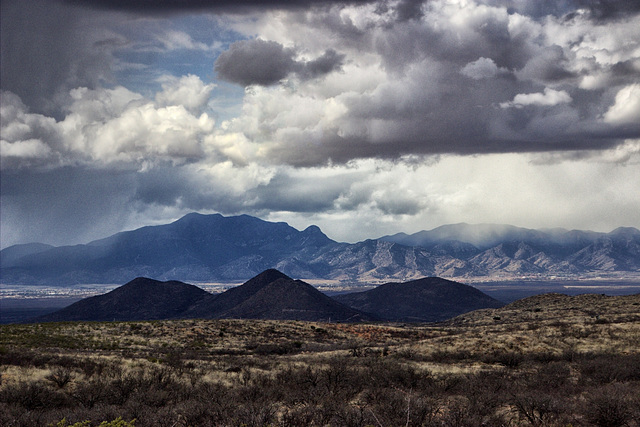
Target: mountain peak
x=141, y=281
x=269, y=275
x=626, y=232
x=428, y=299
x=140, y=299
x=313, y=229
x=227, y=300
x=274, y=295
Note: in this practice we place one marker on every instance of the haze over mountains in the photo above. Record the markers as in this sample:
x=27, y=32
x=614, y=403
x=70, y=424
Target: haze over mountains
x=213, y=248
x=276, y=296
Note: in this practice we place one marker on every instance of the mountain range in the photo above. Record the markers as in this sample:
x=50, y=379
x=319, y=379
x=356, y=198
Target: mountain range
x=276, y=296
x=214, y=248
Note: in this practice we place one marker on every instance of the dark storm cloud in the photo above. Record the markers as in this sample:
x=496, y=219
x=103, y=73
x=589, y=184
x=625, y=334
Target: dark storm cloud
x=255, y=62
x=291, y=193
x=601, y=10
x=608, y=9
x=76, y=205
x=409, y=9
x=402, y=44
x=548, y=65
x=149, y=6
x=406, y=9
x=626, y=69
x=325, y=64
x=45, y=52
x=265, y=63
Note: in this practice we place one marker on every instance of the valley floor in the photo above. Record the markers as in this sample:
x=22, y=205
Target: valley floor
x=546, y=361
x=21, y=303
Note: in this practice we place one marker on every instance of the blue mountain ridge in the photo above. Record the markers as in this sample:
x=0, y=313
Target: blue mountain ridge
x=213, y=248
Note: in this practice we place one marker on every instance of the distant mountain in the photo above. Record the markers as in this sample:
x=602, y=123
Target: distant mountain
x=273, y=295
x=213, y=248
x=11, y=255
x=140, y=299
x=194, y=248
x=429, y=299
x=486, y=236
x=489, y=250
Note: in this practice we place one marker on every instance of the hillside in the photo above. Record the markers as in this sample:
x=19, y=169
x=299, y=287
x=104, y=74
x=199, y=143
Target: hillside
x=270, y=295
x=273, y=295
x=430, y=299
x=219, y=303
x=492, y=369
x=213, y=248
x=287, y=299
x=140, y=299
x=557, y=307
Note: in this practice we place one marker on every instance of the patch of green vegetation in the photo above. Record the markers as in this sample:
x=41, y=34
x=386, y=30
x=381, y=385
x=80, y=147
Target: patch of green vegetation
x=118, y=422
x=41, y=336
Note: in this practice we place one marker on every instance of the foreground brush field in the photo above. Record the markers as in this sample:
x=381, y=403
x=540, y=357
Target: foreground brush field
x=549, y=360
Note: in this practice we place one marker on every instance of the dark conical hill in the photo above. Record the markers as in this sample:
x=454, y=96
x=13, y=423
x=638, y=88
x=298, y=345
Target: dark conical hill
x=430, y=299
x=274, y=295
x=140, y=299
x=287, y=299
x=212, y=305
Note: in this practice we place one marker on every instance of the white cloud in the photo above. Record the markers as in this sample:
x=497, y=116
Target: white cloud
x=147, y=134
x=98, y=105
x=24, y=134
x=496, y=188
x=174, y=40
x=626, y=109
x=105, y=126
x=549, y=98
x=188, y=91
x=22, y=153
x=482, y=68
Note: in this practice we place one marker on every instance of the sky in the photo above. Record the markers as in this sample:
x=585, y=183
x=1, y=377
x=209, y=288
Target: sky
x=365, y=118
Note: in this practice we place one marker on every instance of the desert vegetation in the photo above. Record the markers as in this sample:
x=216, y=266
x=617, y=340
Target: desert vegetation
x=551, y=361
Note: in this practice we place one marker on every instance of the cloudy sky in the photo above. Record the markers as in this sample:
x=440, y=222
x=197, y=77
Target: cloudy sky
x=364, y=117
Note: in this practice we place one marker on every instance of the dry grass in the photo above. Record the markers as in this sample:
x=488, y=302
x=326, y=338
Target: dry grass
x=548, y=360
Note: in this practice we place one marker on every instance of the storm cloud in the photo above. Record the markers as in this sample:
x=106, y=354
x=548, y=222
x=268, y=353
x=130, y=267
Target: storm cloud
x=441, y=88
x=384, y=113
x=265, y=63
x=151, y=6
x=255, y=62
x=50, y=48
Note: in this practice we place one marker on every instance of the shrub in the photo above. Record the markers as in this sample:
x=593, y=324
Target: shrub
x=60, y=376
x=536, y=408
x=608, y=407
x=510, y=359
x=118, y=422
x=33, y=396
